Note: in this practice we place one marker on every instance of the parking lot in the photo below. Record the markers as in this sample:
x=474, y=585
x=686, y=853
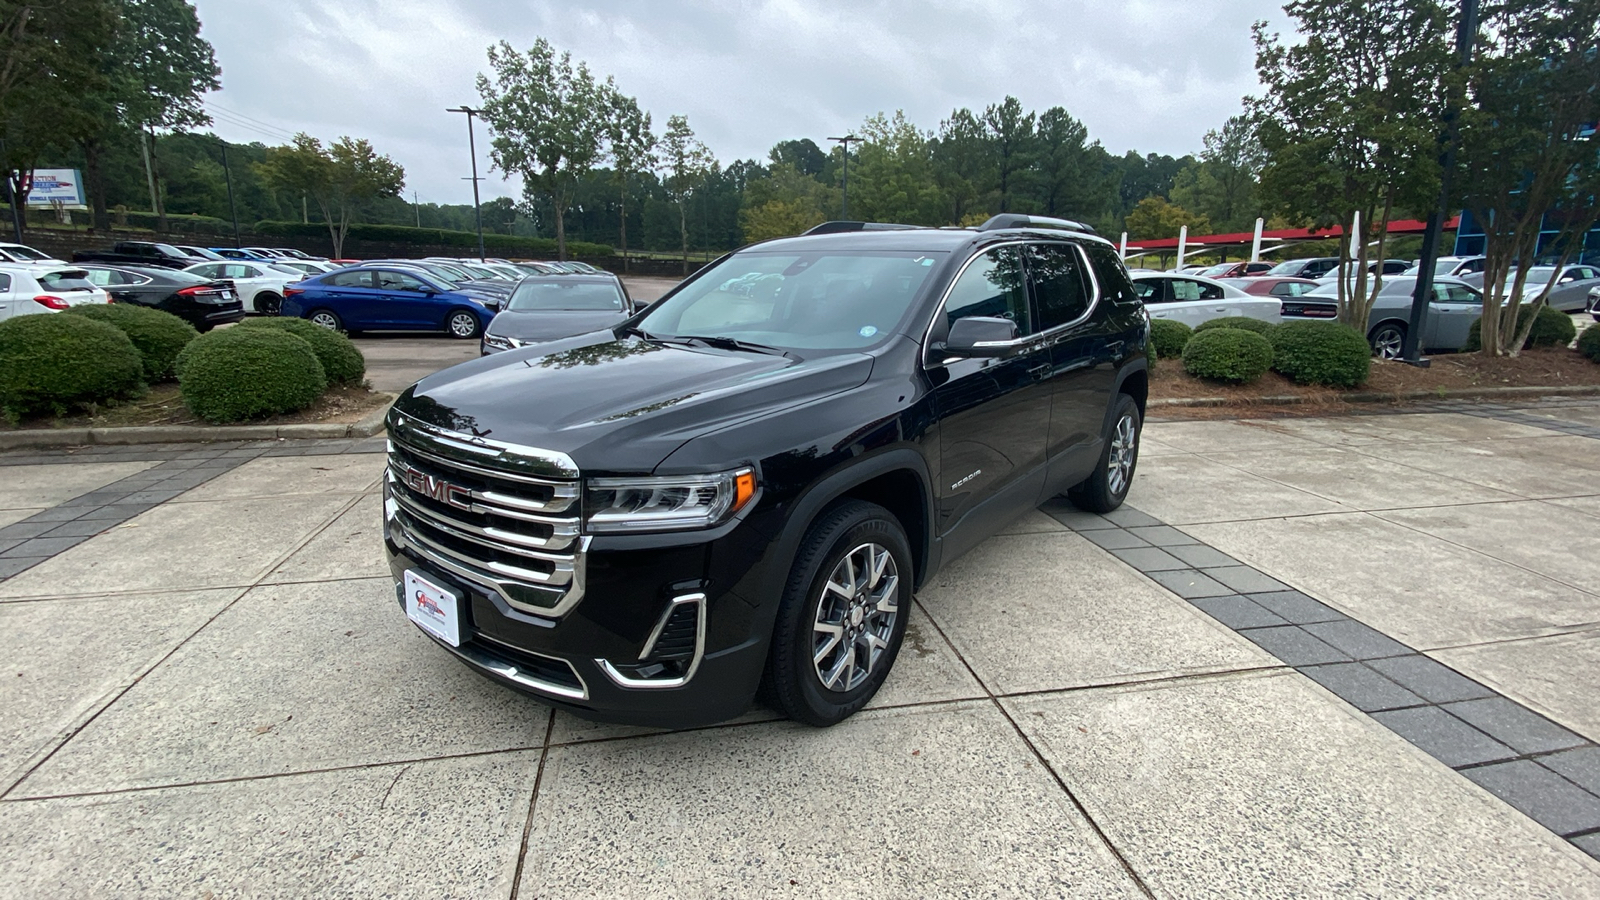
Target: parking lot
x=1354, y=656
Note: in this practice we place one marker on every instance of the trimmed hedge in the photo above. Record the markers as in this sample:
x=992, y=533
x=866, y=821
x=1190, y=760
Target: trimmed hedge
x=158, y=336
x=240, y=373
x=49, y=363
x=341, y=361
x=1552, y=328
x=1320, y=353
x=1244, y=322
x=1227, y=354
x=1167, y=338
x=1589, y=343
x=504, y=244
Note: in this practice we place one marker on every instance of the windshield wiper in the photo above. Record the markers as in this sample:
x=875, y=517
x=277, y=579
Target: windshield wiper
x=728, y=343
x=636, y=331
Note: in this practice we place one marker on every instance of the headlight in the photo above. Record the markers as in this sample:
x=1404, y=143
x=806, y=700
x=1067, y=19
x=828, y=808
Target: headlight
x=499, y=342
x=668, y=503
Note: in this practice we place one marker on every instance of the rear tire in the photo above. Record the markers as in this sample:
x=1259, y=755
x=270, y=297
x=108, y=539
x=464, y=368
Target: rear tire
x=325, y=318
x=843, y=614
x=1388, y=340
x=268, y=304
x=1105, y=490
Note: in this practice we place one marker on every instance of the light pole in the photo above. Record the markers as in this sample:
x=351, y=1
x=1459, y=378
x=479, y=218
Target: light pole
x=472, y=146
x=845, y=142
x=227, y=175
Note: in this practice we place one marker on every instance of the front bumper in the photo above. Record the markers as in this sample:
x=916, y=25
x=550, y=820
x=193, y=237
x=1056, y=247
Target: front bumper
x=564, y=662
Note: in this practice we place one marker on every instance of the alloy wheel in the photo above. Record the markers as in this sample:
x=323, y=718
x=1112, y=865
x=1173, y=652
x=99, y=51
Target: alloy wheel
x=855, y=617
x=326, y=320
x=1388, y=343
x=1124, y=451
x=463, y=325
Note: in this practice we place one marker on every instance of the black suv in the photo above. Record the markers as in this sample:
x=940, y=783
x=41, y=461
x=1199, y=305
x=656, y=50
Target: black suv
x=744, y=484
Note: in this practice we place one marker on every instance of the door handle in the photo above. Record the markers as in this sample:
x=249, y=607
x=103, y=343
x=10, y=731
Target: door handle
x=1219, y=309
x=1041, y=371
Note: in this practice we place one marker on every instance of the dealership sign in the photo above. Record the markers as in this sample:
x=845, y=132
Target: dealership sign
x=52, y=186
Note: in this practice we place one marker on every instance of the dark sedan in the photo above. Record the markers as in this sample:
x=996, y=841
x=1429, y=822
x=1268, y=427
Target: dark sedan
x=386, y=298
x=551, y=307
x=201, y=302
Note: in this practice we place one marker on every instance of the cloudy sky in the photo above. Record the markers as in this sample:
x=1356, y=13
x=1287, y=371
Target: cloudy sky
x=1150, y=75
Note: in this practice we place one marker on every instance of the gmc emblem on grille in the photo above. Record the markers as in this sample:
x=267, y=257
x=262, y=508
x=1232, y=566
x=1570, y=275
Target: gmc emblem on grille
x=438, y=489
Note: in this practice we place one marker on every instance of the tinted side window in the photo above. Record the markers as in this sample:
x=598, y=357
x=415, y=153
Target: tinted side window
x=1111, y=273
x=350, y=279
x=1149, y=290
x=5, y=282
x=1059, y=287
x=991, y=286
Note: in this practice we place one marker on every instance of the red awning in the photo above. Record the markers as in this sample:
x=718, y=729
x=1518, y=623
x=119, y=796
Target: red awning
x=1245, y=238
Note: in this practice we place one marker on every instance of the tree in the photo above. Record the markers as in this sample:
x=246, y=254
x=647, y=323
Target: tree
x=548, y=120
x=893, y=177
x=1222, y=185
x=785, y=202
x=1155, y=218
x=687, y=164
x=963, y=167
x=803, y=153
x=1349, y=122
x=1067, y=180
x=631, y=146
x=337, y=178
x=1011, y=137
x=1528, y=150
x=48, y=55
x=168, y=67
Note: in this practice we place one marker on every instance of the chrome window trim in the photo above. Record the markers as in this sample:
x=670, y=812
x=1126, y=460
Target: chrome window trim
x=1025, y=340
x=613, y=673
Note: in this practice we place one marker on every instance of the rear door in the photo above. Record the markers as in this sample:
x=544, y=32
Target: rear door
x=1450, y=316
x=994, y=414
x=350, y=294
x=8, y=297
x=1078, y=338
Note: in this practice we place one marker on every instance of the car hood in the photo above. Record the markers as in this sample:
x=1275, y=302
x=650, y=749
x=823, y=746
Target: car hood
x=620, y=405
x=537, y=326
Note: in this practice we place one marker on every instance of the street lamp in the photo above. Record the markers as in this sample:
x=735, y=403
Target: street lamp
x=845, y=142
x=472, y=146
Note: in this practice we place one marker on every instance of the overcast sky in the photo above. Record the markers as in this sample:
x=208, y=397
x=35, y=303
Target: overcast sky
x=1149, y=75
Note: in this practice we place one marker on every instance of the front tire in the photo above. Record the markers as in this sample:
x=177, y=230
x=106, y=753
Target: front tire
x=1105, y=490
x=1388, y=340
x=462, y=325
x=843, y=614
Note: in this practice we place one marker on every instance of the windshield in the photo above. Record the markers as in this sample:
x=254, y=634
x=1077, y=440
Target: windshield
x=169, y=250
x=1218, y=269
x=1287, y=267
x=67, y=280
x=185, y=277
x=21, y=252
x=537, y=294
x=800, y=301
x=1536, y=275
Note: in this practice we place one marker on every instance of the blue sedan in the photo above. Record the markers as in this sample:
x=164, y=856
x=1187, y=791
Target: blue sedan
x=379, y=298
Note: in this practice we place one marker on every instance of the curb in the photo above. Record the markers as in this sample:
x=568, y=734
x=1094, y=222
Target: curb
x=369, y=425
x=1509, y=393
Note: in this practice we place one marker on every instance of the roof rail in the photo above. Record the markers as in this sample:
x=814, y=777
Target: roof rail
x=1018, y=220
x=841, y=227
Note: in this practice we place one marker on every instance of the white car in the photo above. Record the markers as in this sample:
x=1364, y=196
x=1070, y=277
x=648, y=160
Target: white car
x=1192, y=299
x=310, y=267
x=25, y=255
x=259, y=283
x=29, y=289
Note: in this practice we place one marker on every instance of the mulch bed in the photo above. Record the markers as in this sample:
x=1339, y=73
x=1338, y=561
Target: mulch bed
x=1553, y=368
x=162, y=406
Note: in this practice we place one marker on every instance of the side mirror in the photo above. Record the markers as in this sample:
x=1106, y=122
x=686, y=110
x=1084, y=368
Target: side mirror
x=981, y=337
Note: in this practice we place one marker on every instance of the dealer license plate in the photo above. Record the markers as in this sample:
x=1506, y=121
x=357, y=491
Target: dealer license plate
x=433, y=608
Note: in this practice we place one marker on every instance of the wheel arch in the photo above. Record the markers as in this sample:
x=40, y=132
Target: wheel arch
x=898, y=480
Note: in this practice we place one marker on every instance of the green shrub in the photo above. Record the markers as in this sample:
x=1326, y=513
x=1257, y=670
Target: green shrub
x=49, y=363
x=1320, y=353
x=1227, y=354
x=1552, y=328
x=1167, y=338
x=1589, y=343
x=1244, y=322
x=158, y=336
x=341, y=361
x=241, y=373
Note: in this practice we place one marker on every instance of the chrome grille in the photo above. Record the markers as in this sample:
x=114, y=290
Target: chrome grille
x=498, y=515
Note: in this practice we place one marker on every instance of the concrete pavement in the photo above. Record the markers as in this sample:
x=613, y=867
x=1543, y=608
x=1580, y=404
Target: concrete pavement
x=1322, y=657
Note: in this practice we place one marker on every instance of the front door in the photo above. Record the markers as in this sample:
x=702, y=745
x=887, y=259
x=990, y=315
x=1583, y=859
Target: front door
x=994, y=414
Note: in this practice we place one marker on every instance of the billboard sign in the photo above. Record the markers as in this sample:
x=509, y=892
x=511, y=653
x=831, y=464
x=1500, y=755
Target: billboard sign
x=51, y=185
